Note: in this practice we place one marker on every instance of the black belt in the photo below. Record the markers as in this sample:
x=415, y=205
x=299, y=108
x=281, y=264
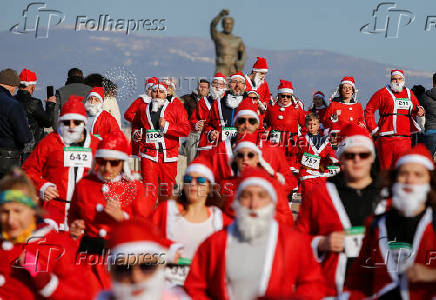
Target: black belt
x=394, y=135
x=92, y=245
x=61, y=200
x=10, y=153
x=395, y=114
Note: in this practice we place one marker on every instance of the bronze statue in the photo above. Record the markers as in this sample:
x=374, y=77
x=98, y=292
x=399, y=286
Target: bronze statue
x=229, y=49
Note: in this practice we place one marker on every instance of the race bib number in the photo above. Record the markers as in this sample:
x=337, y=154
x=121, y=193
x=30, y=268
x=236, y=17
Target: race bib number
x=353, y=240
x=400, y=256
x=176, y=273
x=77, y=157
x=403, y=103
x=154, y=136
x=228, y=133
x=310, y=161
x=333, y=170
x=275, y=136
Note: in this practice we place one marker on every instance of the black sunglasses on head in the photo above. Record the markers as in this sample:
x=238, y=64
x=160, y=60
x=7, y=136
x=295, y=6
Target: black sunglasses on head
x=101, y=161
x=241, y=121
x=75, y=122
x=352, y=155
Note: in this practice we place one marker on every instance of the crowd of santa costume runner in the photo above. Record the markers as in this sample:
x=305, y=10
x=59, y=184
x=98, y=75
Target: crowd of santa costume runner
x=277, y=201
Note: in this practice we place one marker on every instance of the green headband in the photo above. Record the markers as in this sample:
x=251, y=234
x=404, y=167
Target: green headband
x=17, y=196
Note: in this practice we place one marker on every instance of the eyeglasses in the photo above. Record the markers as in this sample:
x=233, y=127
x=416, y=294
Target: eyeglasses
x=248, y=154
x=102, y=162
x=241, y=121
x=285, y=96
x=188, y=179
x=352, y=155
x=75, y=122
x=123, y=270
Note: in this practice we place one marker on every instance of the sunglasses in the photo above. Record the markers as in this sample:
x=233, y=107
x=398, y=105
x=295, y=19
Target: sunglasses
x=103, y=162
x=241, y=121
x=188, y=179
x=75, y=122
x=242, y=155
x=285, y=96
x=253, y=98
x=123, y=270
x=352, y=155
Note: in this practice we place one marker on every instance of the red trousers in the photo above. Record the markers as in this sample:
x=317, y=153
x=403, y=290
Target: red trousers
x=389, y=149
x=159, y=178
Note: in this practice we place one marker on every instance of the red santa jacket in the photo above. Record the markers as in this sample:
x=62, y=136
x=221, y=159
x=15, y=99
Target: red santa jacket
x=103, y=124
x=176, y=126
x=396, y=111
x=289, y=270
x=201, y=112
x=51, y=257
x=130, y=114
x=346, y=113
x=321, y=213
x=310, y=157
x=262, y=90
x=45, y=166
x=90, y=198
x=374, y=272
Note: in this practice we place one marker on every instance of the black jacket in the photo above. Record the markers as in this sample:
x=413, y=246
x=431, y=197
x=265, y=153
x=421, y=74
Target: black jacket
x=428, y=101
x=190, y=102
x=14, y=129
x=37, y=117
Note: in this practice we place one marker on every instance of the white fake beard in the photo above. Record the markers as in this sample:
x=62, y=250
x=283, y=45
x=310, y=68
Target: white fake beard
x=233, y=101
x=157, y=103
x=257, y=80
x=217, y=93
x=408, y=203
x=252, y=227
x=71, y=136
x=397, y=87
x=152, y=288
x=93, y=109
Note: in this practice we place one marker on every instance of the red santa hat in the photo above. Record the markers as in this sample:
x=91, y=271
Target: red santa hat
x=249, y=140
x=73, y=109
x=116, y=145
x=150, y=82
x=170, y=81
x=260, y=65
x=418, y=154
x=96, y=92
x=319, y=94
x=257, y=177
x=161, y=86
x=136, y=237
x=349, y=80
x=246, y=108
x=221, y=77
x=201, y=165
x=354, y=135
x=397, y=72
x=285, y=87
x=239, y=75
x=27, y=77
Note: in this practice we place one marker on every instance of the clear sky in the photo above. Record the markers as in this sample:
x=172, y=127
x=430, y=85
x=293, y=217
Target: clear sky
x=272, y=24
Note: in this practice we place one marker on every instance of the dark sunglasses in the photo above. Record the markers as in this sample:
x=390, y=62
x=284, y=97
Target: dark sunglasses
x=103, y=162
x=242, y=155
x=75, y=122
x=188, y=179
x=126, y=269
x=285, y=96
x=241, y=121
x=352, y=155
x=255, y=98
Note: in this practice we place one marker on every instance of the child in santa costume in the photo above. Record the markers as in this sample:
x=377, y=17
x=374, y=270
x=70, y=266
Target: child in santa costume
x=314, y=153
x=37, y=261
x=334, y=212
x=162, y=123
x=130, y=113
x=397, y=107
x=203, y=107
x=283, y=121
x=319, y=106
x=137, y=264
x=397, y=259
x=60, y=160
x=102, y=199
x=255, y=256
x=100, y=122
